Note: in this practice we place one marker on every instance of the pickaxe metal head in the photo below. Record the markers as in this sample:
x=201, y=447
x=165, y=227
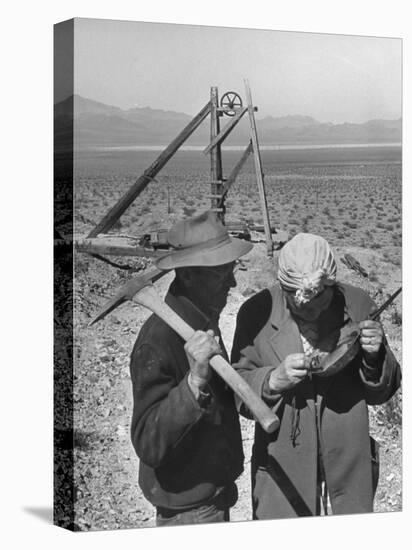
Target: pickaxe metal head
x=128, y=291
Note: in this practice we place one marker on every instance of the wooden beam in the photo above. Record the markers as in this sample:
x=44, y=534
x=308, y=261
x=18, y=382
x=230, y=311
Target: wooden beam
x=259, y=172
x=223, y=110
x=235, y=171
x=119, y=208
x=102, y=247
x=225, y=130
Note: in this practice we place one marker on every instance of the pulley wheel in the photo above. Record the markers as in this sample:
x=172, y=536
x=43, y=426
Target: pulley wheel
x=231, y=102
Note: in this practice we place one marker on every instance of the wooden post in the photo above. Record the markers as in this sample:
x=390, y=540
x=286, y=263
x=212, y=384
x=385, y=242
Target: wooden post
x=259, y=173
x=121, y=206
x=100, y=246
x=215, y=157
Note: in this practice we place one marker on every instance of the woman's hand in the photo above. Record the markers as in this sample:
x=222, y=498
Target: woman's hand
x=371, y=338
x=289, y=373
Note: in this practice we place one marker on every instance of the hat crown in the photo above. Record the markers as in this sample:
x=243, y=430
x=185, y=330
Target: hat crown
x=195, y=231
x=201, y=241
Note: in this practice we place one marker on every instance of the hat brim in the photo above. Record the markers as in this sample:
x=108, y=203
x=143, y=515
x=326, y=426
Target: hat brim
x=218, y=255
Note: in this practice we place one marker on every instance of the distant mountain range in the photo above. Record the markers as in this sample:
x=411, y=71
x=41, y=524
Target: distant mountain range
x=97, y=124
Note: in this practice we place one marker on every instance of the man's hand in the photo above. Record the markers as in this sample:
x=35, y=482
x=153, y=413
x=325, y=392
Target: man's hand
x=371, y=338
x=289, y=373
x=199, y=349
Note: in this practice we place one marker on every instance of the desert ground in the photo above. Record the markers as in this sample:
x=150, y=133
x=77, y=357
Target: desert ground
x=352, y=197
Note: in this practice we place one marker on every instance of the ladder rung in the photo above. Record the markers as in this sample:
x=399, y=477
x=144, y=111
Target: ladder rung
x=214, y=196
x=216, y=209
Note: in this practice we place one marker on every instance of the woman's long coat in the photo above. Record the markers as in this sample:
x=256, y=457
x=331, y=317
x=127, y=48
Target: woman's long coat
x=334, y=417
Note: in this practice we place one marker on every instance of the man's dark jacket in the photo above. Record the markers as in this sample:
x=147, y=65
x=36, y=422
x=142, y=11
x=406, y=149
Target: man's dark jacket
x=188, y=452
x=330, y=413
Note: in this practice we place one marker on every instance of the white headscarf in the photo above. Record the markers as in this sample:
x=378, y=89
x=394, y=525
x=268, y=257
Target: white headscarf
x=306, y=266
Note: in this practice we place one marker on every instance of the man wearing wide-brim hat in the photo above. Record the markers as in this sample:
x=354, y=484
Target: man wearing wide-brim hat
x=185, y=428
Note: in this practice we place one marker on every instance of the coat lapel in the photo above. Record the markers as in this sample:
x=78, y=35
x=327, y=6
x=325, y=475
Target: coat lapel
x=285, y=339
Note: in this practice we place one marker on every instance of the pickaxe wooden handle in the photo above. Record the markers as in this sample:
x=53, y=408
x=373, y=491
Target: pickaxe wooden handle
x=142, y=292
x=149, y=298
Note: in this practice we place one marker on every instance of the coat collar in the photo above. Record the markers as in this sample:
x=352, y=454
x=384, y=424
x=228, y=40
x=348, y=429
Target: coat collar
x=187, y=310
x=285, y=329
x=190, y=313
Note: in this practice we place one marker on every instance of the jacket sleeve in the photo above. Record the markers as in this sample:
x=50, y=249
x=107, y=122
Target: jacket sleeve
x=383, y=385
x=381, y=389
x=246, y=360
x=164, y=410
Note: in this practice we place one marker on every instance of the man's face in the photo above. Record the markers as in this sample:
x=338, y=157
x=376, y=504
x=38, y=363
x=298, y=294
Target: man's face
x=210, y=286
x=310, y=311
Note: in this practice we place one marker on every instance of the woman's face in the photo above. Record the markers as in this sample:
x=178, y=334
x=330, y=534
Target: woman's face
x=311, y=310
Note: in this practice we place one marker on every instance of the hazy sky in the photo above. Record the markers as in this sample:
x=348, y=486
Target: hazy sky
x=333, y=78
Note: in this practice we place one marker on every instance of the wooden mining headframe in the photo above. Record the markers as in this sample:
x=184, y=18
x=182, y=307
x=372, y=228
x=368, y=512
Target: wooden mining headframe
x=219, y=185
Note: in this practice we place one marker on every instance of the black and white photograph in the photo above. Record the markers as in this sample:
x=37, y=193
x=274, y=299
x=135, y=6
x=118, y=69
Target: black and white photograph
x=237, y=249
x=205, y=263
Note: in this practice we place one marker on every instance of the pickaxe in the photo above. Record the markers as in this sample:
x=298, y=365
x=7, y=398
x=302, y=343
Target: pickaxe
x=141, y=290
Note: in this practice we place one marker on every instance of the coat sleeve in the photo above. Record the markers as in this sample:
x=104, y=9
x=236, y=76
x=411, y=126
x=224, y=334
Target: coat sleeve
x=164, y=410
x=245, y=355
x=383, y=385
x=381, y=389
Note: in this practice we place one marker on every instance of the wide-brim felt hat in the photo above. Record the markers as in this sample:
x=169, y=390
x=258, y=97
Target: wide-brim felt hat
x=201, y=241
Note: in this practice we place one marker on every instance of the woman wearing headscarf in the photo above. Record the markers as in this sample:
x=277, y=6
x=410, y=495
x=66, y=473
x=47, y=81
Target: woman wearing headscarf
x=322, y=452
